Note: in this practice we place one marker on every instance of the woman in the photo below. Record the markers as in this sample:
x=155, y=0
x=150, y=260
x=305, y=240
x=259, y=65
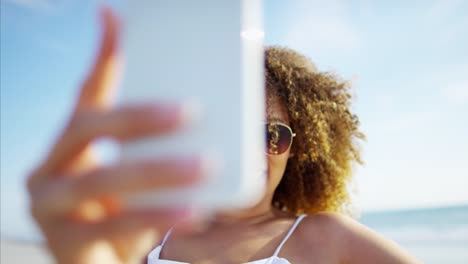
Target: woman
x=75, y=201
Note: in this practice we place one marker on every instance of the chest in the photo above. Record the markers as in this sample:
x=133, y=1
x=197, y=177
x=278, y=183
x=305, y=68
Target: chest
x=255, y=246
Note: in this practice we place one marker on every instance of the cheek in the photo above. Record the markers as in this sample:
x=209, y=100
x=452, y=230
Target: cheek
x=276, y=166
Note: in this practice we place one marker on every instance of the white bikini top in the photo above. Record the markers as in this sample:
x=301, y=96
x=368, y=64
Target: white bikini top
x=153, y=257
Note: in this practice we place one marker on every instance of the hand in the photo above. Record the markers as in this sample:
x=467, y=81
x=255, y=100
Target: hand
x=75, y=200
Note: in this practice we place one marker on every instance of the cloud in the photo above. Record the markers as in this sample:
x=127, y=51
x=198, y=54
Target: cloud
x=51, y=42
x=408, y=121
x=457, y=92
x=320, y=26
x=32, y=4
x=445, y=22
x=442, y=9
x=452, y=84
x=48, y=7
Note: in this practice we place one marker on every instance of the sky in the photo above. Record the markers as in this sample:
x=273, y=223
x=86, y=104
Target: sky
x=407, y=63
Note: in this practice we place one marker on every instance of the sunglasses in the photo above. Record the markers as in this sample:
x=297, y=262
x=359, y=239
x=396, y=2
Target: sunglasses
x=279, y=138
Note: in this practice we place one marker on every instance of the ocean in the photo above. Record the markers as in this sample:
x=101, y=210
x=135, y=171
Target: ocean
x=434, y=235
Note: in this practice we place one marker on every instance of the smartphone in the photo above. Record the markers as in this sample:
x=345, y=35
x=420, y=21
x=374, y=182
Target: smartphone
x=210, y=51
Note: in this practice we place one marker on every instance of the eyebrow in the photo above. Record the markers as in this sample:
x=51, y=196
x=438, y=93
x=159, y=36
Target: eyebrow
x=276, y=119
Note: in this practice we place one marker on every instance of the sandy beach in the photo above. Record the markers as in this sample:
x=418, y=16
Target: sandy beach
x=15, y=252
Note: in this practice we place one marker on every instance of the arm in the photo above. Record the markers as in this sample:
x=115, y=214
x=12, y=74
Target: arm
x=355, y=243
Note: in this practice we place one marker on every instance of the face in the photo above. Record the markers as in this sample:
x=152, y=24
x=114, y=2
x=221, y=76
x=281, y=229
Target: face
x=276, y=112
x=276, y=163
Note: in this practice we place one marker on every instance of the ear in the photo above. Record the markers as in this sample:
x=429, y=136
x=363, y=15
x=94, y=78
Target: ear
x=290, y=155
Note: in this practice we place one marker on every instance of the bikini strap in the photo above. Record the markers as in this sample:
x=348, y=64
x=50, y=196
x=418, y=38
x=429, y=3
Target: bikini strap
x=166, y=237
x=156, y=252
x=291, y=230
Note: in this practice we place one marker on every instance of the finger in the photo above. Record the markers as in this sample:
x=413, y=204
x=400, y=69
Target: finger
x=98, y=89
x=95, y=94
x=63, y=196
x=140, y=229
x=122, y=225
x=132, y=234
x=122, y=124
x=126, y=223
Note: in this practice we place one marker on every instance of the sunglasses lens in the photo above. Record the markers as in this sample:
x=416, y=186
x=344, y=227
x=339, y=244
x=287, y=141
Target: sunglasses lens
x=278, y=138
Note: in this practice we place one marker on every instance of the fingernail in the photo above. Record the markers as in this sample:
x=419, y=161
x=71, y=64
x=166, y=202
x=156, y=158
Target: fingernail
x=202, y=166
x=180, y=213
x=185, y=114
x=190, y=112
x=210, y=165
x=104, y=12
x=164, y=112
x=194, y=220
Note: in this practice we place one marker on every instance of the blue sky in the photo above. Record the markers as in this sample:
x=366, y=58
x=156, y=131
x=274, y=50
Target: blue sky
x=407, y=62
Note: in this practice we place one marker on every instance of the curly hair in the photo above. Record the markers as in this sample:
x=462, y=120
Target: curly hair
x=326, y=143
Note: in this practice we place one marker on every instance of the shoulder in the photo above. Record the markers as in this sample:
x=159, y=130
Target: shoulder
x=335, y=224
x=325, y=231
x=350, y=240
x=331, y=225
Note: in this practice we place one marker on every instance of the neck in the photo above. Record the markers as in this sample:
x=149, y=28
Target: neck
x=258, y=213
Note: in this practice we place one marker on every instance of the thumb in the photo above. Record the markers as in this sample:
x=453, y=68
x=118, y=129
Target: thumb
x=99, y=88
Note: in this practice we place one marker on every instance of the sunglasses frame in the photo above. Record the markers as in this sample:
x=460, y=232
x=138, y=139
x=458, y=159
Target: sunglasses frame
x=293, y=135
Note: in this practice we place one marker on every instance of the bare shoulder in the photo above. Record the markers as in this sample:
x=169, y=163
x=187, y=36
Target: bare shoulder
x=350, y=240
